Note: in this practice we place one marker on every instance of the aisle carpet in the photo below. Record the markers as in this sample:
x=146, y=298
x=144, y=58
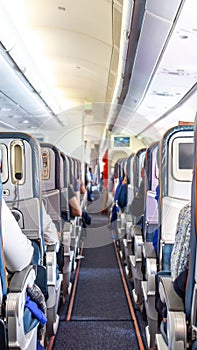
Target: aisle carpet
x=100, y=318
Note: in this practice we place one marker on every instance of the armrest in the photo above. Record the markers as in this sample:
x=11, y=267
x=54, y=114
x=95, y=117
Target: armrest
x=137, y=231
x=19, y=279
x=168, y=294
x=51, y=247
x=148, y=250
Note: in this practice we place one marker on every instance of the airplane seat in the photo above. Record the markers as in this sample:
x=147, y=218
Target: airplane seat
x=18, y=327
x=127, y=241
x=68, y=256
x=51, y=196
x=51, y=188
x=22, y=190
x=75, y=221
x=148, y=254
x=3, y=279
x=138, y=221
x=20, y=323
x=18, y=215
x=175, y=189
x=122, y=212
x=21, y=186
x=65, y=213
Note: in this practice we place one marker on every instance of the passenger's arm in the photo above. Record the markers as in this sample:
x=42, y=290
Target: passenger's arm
x=18, y=249
x=50, y=230
x=75, y=208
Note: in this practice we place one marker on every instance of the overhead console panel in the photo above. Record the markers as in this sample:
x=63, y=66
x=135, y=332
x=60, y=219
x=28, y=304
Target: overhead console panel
x=158, y=21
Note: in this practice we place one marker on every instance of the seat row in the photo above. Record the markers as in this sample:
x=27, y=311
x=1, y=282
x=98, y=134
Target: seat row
x=147, y=233
x=33, y=175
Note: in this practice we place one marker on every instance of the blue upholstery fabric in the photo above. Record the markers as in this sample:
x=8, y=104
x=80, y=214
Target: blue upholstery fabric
x=166, y=254
x=33, y=307
x=29, y=321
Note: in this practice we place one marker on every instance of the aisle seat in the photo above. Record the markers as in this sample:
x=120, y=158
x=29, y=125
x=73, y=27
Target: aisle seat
x=18, y=328
x=175, y=188
x=181, y=317
x=137, y=228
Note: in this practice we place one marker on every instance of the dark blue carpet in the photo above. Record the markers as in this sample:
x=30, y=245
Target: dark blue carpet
x=100, y=318
x=91, y=335
x=100, y=294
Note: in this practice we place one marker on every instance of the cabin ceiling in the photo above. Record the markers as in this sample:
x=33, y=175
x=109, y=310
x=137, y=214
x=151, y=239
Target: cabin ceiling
x=68, y=50
x=63, y=64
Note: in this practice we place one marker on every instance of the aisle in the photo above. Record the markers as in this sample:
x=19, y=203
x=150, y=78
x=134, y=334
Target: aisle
x=100, y=318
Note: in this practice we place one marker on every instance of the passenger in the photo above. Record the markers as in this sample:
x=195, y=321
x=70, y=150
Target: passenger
x=122, y=195
x=81, y=186
x=137, y=205
x=15, y=242
x=156, y=232
x=111, y=183
x=51, y=235
x=115, y=209
x=75, y=208
x=76, y=188
x=110, y=189
x=101, y=183
x=11, y=232
x=104, y=205
x=96, y=174
x=89, y=178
